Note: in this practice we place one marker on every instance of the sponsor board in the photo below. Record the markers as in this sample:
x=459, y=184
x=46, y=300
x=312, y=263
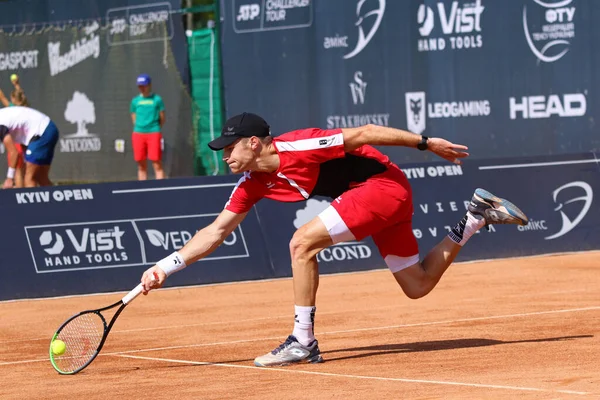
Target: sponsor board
x=268, y=15
x=134, y=24
x=89, y=245
x=456, y=26
x=369, y=14
x=81, y=111
x=121, y=243
x=162, y=236
x=358, y=92
x=535, y=107
x=550, y=40
x=85, y=47
x=54, y=196
x=418, y=110
x=27, y=59
x=573, y=201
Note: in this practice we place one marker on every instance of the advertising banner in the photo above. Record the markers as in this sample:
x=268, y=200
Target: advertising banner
x=505, y=78
x=85, y=85
x=132, y=17
x=99, y=238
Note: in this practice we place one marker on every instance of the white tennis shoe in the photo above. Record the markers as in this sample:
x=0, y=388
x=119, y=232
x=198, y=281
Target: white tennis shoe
x=289, y=352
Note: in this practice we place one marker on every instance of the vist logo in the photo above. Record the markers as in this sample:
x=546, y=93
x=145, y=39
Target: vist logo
x=369, y=14
x=80, y=111
x=456, y=27
x=83, y=241
x=83, y=246
x=584, y=199
x=339, y=252
x=52, y=243
x=549, y=40
x=567, y=105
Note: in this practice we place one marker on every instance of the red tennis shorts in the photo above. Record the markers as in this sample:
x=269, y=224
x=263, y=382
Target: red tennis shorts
x=147, y=146
x=381, y=207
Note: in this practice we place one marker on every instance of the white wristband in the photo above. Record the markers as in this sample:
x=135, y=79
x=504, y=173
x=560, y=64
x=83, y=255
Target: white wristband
x=171, y=264
x=10, y=173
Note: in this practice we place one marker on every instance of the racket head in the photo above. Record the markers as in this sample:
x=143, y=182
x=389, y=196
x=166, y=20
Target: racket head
x=83, y=334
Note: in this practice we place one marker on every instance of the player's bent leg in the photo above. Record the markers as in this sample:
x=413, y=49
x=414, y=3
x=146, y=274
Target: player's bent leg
x=419, y=278
x=484, y=209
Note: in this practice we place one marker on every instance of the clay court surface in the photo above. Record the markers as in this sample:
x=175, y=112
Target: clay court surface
x=521, y=328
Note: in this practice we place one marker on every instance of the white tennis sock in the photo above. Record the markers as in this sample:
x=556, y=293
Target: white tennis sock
x=304, y=323
x=466, y=228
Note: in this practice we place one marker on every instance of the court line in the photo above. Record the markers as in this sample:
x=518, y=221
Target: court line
x=539, y=164
x=366, y=377
x=169, y=188
x=443, y=322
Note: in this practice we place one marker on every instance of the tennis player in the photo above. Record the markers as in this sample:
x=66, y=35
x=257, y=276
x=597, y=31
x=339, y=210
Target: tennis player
x=28, y=127
x=371, y=197
x=17, y=98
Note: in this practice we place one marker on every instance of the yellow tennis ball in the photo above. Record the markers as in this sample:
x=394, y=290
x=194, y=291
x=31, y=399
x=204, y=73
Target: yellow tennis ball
x=13, y=77
x=58, y=347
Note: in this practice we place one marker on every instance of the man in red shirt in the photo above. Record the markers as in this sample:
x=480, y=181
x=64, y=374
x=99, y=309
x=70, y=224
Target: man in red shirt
x=371, y=197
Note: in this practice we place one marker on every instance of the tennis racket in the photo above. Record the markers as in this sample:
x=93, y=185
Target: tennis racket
x=84, y=335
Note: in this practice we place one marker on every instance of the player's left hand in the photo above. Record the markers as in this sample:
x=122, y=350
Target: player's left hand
x=447, y=150
x=153, y=278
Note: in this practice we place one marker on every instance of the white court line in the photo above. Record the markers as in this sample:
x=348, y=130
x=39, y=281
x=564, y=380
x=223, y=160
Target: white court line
x=377, y=378
x=540, y=164
x=453, y=321
x=162, y=189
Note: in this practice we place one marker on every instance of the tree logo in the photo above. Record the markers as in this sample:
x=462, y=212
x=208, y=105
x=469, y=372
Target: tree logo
x=81, y=111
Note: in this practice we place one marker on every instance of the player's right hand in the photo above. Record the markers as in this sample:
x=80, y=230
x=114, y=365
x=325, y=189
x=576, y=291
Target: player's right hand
x=8, y=183
x=153, y=278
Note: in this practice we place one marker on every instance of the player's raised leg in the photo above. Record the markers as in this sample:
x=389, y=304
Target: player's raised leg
x=419, y=279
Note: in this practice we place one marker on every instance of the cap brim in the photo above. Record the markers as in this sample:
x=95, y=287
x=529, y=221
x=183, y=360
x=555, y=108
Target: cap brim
x=221, y=142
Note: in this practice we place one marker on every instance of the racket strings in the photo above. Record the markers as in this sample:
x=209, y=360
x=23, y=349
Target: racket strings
x=82, y=336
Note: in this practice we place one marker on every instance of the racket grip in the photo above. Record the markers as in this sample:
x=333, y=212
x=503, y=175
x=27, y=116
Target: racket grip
x=133, y=294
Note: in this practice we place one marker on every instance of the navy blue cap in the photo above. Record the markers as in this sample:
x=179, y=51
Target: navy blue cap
x=143, y=79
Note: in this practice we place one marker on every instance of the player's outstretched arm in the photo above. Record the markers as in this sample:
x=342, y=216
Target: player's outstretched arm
x=376, y=135
x=204, y=242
